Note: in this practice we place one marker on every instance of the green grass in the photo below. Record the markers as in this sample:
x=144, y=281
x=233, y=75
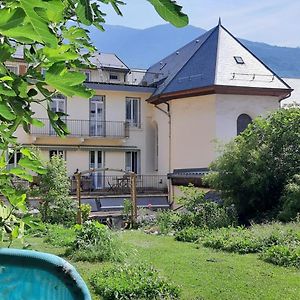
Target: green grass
x=202, y=273
x=206, y=274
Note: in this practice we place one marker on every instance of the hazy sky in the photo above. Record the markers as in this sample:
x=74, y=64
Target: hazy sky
x=275, y=22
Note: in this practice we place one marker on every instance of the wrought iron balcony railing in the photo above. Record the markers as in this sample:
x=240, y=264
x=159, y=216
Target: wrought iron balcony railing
x=86, y=128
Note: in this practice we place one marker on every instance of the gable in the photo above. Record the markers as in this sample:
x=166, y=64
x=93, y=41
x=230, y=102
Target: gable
x=251, y=73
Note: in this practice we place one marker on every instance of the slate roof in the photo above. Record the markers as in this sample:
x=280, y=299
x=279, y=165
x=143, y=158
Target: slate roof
x=170, y=67
x=209, y=61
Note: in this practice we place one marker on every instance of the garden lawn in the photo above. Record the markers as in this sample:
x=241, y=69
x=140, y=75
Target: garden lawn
x=202, y=273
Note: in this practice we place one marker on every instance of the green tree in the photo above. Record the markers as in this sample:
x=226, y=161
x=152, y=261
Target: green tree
x=57, y=206
x=55, y=43
x=256, y=165
x=290, y=201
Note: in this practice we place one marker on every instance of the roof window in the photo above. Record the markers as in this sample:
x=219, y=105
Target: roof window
x=239, y=60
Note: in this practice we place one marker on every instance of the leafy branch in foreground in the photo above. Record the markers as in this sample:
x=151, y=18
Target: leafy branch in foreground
x=55, y=46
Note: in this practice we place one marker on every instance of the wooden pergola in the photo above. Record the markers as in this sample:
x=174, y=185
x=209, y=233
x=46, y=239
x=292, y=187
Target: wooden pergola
x=132, y=176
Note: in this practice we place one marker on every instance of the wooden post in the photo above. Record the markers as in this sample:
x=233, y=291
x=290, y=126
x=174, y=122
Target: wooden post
x=133, y=198
x=78, y=194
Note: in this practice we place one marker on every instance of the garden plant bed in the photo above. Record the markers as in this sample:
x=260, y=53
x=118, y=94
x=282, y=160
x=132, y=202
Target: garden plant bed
x=201, y=273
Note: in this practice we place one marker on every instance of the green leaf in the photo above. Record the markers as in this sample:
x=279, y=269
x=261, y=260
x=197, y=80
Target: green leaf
x=37, y=123
x=6, y=90
x=61, y=53
x=84, y=12
x=11, y=18
x=32, y=164
x=6, y=112
x=16, y=199
x=52, y=10
x=32, y=222
x=170, y=11
x=15, y=232
x=21, y=173
x=6, y=51
x=22, y=88
x=114, y=4
x=67, y=82
x=39, y=25
x=74, y=33
x=6, y=78
x=2, y=160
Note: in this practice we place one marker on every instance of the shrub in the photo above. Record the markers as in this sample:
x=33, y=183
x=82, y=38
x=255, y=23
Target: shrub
x=250, y=240
x=186, y=219
x=58, y=235
x=95, y=242
x=85, y=212
x=165, y=220
x=127, y=207
x=213, y=215
x=190, y=234
x=191, y=197
x=255, y=167
x=132, y=283
x=203, y=213
x=282, y=255
x=57, y=207
x=290, y=200
x=237, y=240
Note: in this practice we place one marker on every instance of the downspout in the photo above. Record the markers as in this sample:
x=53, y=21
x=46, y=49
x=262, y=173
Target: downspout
x=168, y=114
x=287, y=96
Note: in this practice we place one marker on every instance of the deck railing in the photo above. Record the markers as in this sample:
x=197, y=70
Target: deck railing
x=120, y=184
x=86, y=128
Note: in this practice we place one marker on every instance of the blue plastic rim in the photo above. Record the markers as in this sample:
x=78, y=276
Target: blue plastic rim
x=33, y=275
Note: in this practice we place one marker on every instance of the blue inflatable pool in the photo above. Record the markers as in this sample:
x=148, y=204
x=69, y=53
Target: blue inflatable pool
x=31, y=275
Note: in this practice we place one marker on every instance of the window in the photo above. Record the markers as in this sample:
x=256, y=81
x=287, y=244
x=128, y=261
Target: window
x=58, y=103
x=56, y=152
x=88, y=76
x=113, y=76
x=243, y=121
x=13, y=69
x=133, y=111
x=13, y=159
x=239, y=60
x=132, y=161
x=97, y=116
x=96, y=162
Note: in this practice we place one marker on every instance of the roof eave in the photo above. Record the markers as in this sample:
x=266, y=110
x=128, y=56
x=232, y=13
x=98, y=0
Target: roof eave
x=114, y=69
x=220, y=89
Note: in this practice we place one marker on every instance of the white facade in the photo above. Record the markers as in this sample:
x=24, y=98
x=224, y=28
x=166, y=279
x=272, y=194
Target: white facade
x=130, y=126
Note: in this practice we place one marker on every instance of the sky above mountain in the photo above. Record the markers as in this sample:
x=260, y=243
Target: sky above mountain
x=140, y=48
x=275, y=22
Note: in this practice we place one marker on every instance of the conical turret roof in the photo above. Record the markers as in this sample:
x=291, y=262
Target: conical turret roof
x=215, y=59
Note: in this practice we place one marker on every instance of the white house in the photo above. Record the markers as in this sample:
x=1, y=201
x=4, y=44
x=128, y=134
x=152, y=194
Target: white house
x=164, y=119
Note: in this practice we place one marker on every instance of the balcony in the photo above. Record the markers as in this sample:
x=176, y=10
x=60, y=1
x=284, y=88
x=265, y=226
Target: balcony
x=86, y=129
x=120, y=185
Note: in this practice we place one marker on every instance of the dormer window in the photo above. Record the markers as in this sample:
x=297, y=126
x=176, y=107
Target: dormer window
x=239, y=60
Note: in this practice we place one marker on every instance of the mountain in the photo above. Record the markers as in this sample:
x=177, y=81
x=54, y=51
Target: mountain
x=140, y=48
